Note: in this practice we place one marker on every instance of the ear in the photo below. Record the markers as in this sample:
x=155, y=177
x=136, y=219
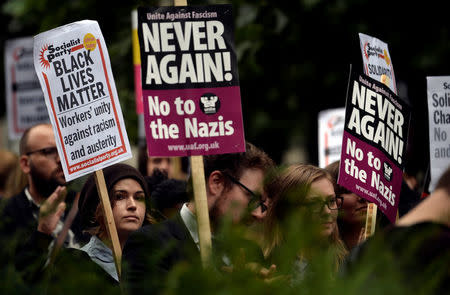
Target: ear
x=215, y=183
x=24, y=162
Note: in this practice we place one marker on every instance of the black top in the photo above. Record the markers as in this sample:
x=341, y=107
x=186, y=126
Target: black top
x=17, y=217
x=152, y=251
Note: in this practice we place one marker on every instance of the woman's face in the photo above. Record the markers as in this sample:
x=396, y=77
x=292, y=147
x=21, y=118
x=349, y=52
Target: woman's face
x=129, y=206
x=322, y=191
x=354, y=209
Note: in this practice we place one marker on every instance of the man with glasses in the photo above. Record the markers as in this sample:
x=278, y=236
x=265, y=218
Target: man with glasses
x=259, y=202
x=37, y=214
x=233, y=182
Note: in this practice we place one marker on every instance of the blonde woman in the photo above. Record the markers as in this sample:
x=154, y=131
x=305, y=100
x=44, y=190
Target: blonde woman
x=302, y=218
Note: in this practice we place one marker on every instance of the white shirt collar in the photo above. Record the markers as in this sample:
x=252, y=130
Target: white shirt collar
x=102, y=255
x=30, y=198
x=190, y=221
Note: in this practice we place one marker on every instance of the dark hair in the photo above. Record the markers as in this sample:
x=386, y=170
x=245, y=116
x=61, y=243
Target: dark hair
x=234, y=164
x=89, y=202
x=169, y=193
x=155, y=179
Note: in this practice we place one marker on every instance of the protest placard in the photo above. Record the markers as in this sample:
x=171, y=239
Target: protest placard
x=74, y=70
x=331, y=127
x=24, y=98
x=438, y=90
x=374, y=143
x=190, y=81
x=377, y=61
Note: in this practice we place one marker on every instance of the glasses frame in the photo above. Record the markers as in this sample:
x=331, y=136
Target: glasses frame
x=255, y=197
x=339, y=202
x=47, y=152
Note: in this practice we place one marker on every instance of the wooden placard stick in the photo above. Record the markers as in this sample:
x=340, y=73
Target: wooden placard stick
x=201, y=208
x=201, y=205
x=109, y=219
x=371, y=219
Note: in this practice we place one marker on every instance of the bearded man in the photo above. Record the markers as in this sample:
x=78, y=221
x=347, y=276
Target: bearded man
x=40, y=162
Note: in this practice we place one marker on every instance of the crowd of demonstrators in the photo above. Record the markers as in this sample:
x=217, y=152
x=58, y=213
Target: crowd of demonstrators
x=303, y=204
x=231, y=181
x=298, y=224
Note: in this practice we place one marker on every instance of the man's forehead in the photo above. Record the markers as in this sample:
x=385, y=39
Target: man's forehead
x=251, y=171
x=254, y=175
x=40, y=135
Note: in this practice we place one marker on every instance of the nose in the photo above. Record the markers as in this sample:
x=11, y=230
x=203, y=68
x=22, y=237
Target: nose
x=326, y=210
x=131, y=203
x=257, y=214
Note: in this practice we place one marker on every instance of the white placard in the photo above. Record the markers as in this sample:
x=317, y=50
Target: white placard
x=438, y=90
x=331, y=127
x=377, y=61
x=24, y=97
x=74, y=70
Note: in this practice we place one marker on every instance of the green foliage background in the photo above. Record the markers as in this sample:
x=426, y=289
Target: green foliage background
x=293, y=58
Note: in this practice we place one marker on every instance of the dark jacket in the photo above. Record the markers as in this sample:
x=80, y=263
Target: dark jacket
x=19, y=236
x=17, y=216
x=152, y=251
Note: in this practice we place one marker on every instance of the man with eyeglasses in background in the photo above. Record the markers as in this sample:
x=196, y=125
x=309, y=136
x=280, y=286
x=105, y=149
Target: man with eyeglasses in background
x=36, y=215
x=234, y=184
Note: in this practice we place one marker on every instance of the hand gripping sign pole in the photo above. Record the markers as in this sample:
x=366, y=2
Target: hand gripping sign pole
x=201, y=205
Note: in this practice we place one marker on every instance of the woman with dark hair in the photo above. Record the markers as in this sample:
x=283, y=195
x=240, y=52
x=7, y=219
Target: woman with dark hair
x=128, y=194
x=352, y=218
x=93, y=264
x=303, y=198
